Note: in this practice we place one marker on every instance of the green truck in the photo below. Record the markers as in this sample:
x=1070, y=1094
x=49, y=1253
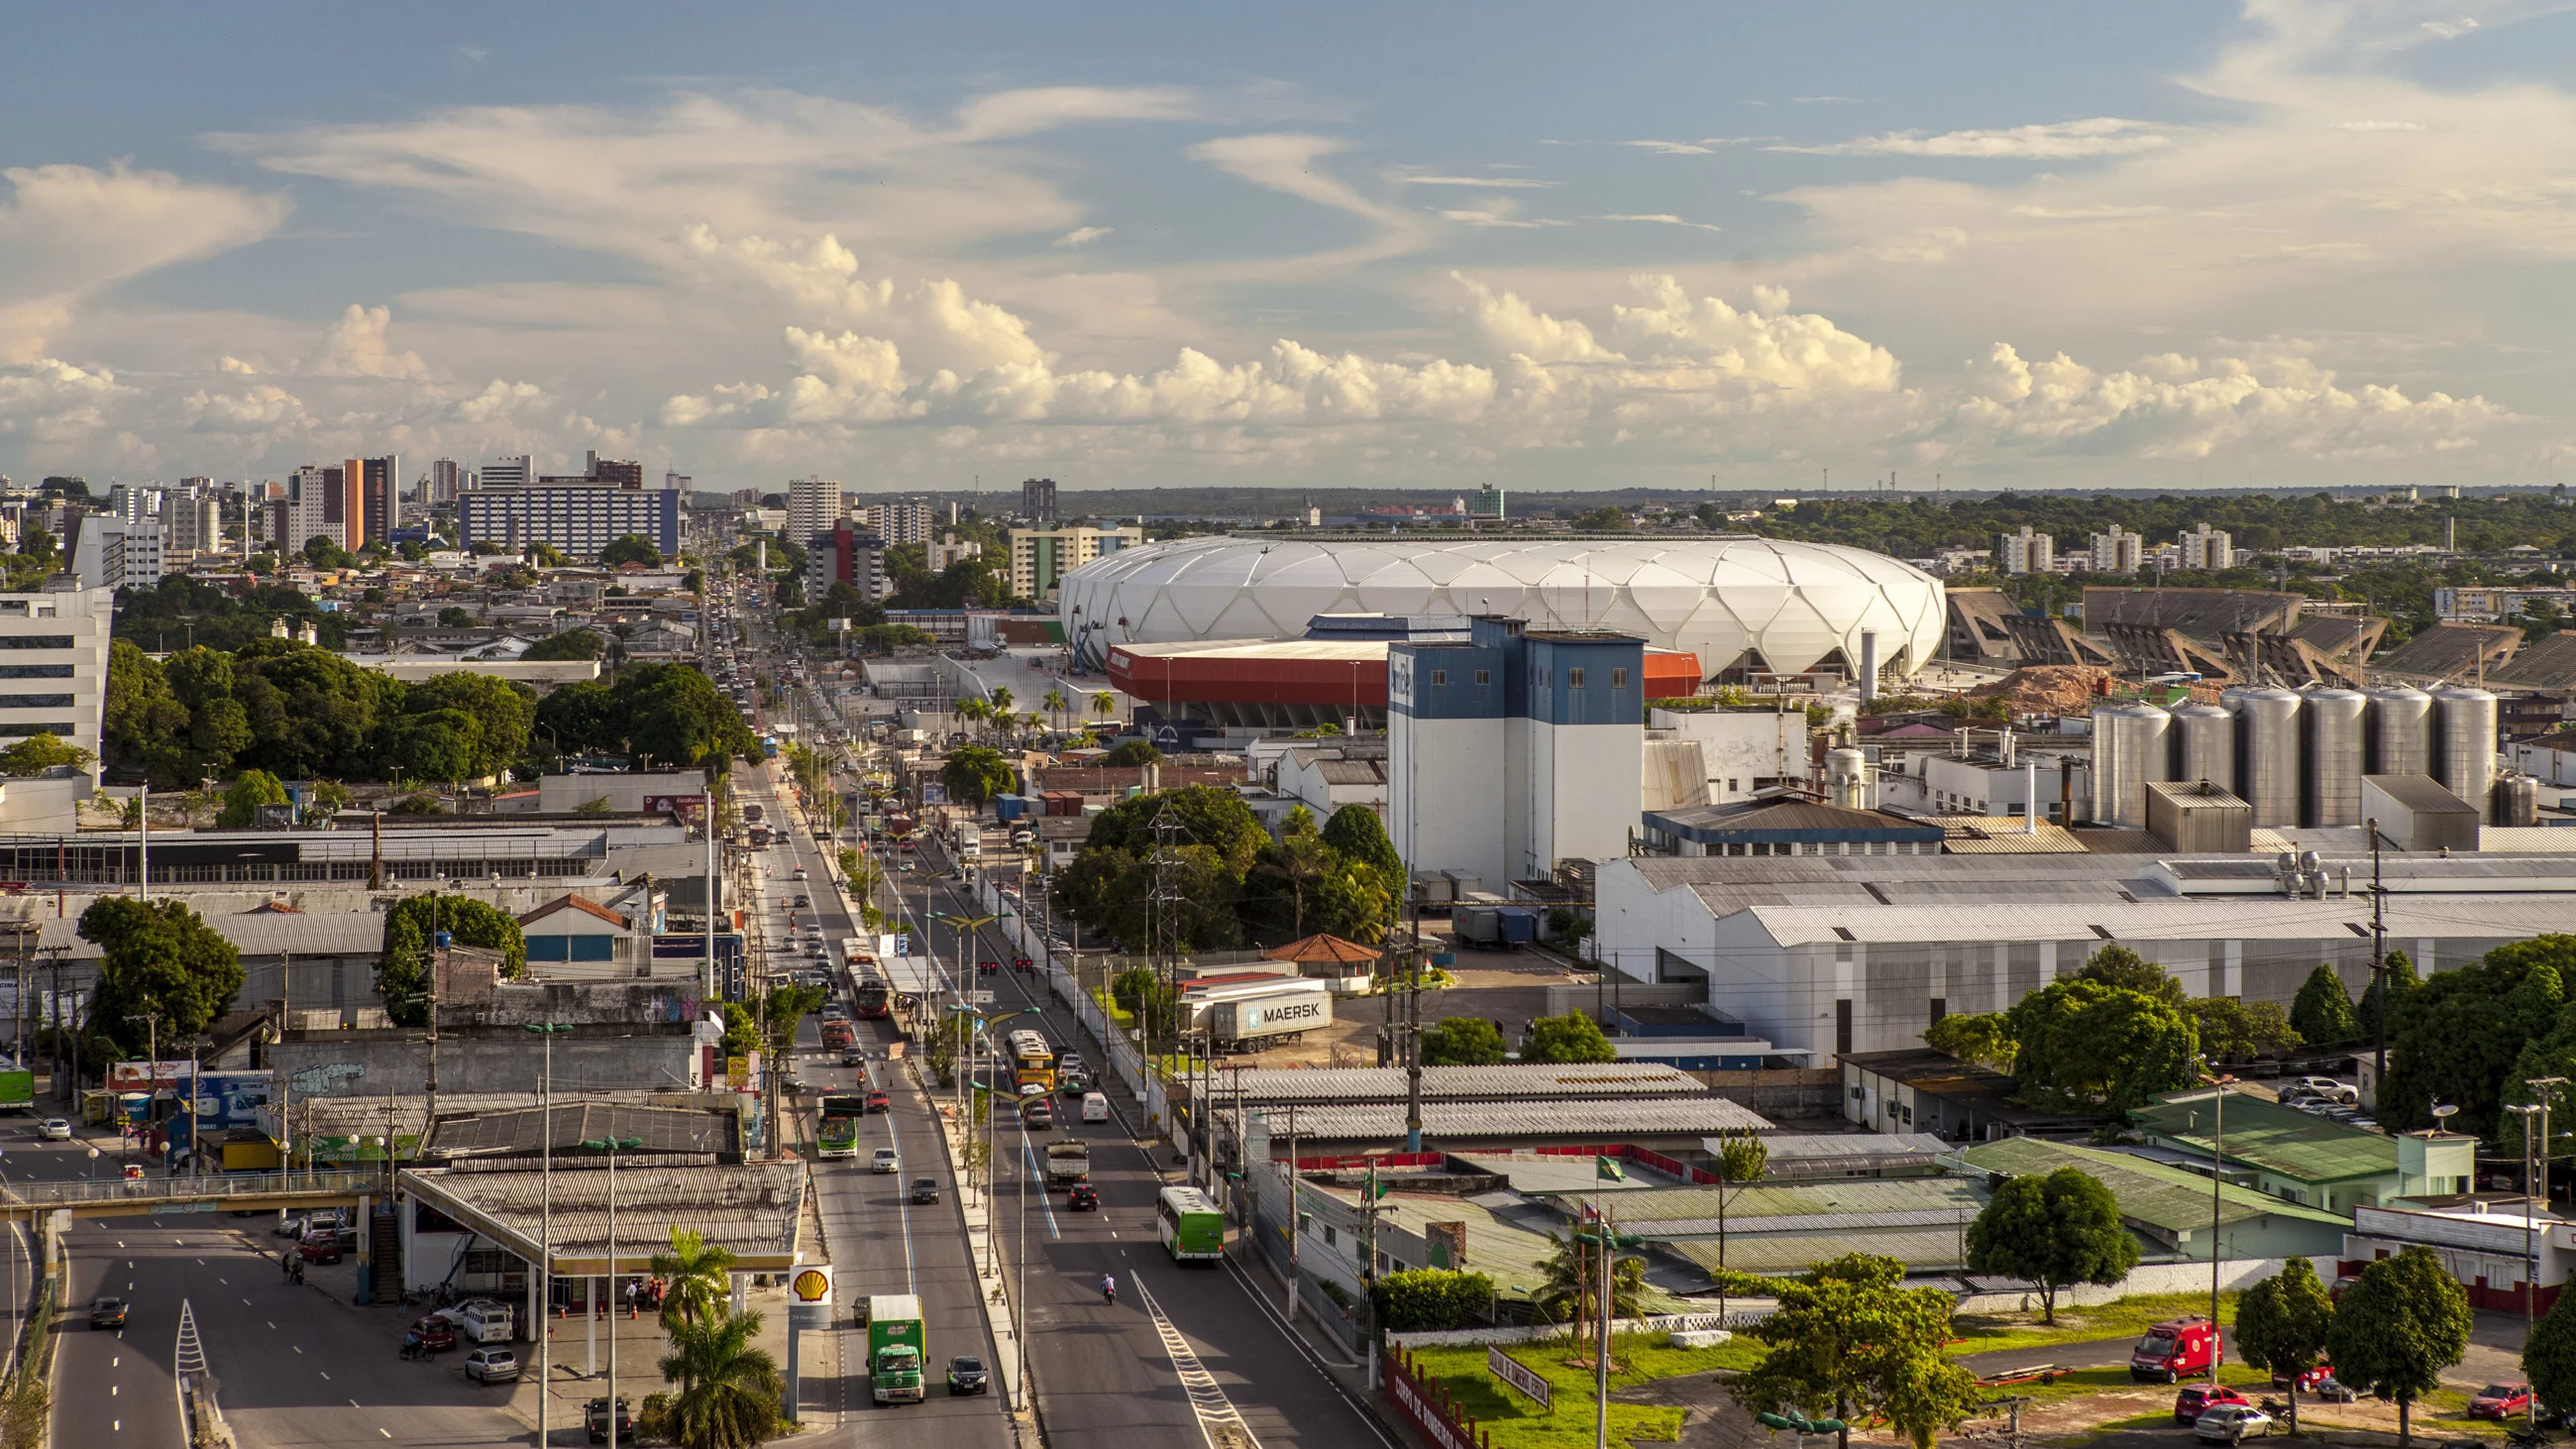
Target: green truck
x=896, y=1349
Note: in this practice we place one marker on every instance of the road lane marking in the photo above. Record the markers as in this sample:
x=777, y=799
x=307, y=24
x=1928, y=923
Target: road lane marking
x=325, y=1373
x=299, y=1348
x=1220, y=1423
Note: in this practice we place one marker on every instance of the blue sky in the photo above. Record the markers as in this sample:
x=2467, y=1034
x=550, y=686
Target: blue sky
x=2016, y=245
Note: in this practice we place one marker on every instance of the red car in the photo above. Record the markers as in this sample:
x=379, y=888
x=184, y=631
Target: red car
x=322, y=1248
x=2308, y=1380
x=2500, y=1401
x=2199, y=1399
x=880, y=1102
x=437, y=1335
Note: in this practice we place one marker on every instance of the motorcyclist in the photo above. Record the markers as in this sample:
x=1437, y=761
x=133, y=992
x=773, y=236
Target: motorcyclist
x=1109, y=1288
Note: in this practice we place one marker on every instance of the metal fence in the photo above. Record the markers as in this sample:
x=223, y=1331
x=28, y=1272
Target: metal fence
x=230, y=1186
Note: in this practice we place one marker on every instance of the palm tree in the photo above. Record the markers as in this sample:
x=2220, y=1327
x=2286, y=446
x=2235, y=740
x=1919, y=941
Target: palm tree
x=693, y=1274
x=726, y=1392
x=1104, y=704
x=1570, y=1294
x=1054, y=704
x=1003, y=699
x=974, y=710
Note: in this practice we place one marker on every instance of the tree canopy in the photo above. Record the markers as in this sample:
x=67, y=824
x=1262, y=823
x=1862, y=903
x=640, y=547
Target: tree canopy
x=162, y=969
x=249, y=790
x=570, y=644
x=402, y=971
x=2282, y=1323
x=2323, y=1011
x=975, y=774
x=2082, y=1042
x=1462, y=1041
x=2398, y=1328
x=1572, y=1037
x=2457, y=1037
x=633, y=548
x=2056, y=1230
x=1358, y=834
x=1849, y=1341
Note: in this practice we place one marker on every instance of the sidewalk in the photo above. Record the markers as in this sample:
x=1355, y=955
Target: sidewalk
x=1001, y=1315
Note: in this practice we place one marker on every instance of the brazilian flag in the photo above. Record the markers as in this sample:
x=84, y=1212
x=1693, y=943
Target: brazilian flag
x=1606, y=1169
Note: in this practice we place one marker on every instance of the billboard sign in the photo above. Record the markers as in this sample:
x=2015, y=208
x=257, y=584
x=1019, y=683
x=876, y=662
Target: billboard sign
x=148, y=1076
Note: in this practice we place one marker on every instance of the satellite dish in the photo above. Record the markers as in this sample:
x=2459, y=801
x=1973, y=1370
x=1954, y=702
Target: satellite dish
x=2443, y=1112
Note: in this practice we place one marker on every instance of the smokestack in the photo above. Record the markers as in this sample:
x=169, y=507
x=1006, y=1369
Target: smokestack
x=1868, y=665
x=2450, y=533
x=2029, y=794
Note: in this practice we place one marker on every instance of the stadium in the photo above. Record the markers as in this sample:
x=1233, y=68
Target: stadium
x=1742, y=605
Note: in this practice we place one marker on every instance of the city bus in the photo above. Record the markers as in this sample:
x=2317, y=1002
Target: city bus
x=872, y=1001
x=1191, y=1228
x=838, y=1132
x=1032, y=1060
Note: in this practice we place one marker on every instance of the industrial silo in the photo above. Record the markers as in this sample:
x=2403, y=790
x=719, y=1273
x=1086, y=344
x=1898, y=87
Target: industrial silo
x=2330, y=787
x=2464, y=744
x=2397, y=730
x=2129, y=749
x=2267, y=752
x=2204, y=745
x=2517, y=800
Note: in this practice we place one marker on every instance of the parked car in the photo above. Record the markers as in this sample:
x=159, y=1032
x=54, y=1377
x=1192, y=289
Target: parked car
x=2333, y=1390
x=594, y=1417
x=1082, y=1197
x=2198, y=1399
x=885, y=1160
x=54, y=1129
x=107, y=1313
x=2500, y=1401
x=2228, y=1423
x=322, y=1248
x=966, y=1375
x=491, y=1365
x=435, y=1335
x=2308, y=1379
x=925, y=1189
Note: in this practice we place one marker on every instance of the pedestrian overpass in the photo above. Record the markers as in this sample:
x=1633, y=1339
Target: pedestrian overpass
x=238, y=1192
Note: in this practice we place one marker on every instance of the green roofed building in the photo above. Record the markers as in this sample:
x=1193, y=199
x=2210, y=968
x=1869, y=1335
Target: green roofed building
x=2169, y=1207
x=1781, y=1228
x=2306, y=1159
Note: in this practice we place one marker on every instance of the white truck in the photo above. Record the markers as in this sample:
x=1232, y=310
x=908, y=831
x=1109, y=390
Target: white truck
x=1273, y=1018
x=1068, y=1161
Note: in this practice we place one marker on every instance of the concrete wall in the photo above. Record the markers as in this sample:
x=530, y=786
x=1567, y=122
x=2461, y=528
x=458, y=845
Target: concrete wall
x=1584, y=792
x=563, y=794
x=1445, y=806
x=1738, y=747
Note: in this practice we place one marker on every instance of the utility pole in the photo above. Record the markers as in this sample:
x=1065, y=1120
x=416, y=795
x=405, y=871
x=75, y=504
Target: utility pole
x=1413, y=1032
x=2378, y=969
x=1293, y=1235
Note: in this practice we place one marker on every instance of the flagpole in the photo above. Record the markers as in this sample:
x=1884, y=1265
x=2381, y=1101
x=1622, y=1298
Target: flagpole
x=1601, y=1351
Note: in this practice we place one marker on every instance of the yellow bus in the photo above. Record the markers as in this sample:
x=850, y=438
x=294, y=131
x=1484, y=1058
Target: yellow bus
x=1032, y=1060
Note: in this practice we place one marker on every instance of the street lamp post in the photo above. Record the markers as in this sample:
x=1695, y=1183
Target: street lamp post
x=612, y=1146
x=544, y=1327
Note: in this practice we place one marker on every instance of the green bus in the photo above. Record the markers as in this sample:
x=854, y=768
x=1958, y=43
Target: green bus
x=837, y=1132
x=1193, y=1231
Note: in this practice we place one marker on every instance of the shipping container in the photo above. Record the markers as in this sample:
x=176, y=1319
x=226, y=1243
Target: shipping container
x=1271, y=1020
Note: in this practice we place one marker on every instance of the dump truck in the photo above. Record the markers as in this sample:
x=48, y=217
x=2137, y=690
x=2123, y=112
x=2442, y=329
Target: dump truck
x=896, y=1350
x=1068, y=1162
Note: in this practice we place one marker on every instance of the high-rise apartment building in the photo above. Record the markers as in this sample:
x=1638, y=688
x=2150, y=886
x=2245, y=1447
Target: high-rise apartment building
x=2204, y=547
x=813, y=506
x=311, y=509
x=845, y=553
x=379, y=508
x=1488, y=502
x=1037, y=499
x=518, y=472
x=900, y=520
x=112, y=553
x=613, y=472
x=938, y=555
x=580, y=518
x=53, y=664
x=445, y=478
x=2026, y=552
x=193, y=522
x=2118, y=552
x=1041, y=556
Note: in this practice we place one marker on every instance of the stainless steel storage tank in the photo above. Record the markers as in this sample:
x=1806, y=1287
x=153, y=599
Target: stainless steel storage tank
x=2517, y=800
x=2267, y=752
x=2330, y=787
x=2464, y=744
x=2129, y=749
x=2398, y=730
x=2204, y=745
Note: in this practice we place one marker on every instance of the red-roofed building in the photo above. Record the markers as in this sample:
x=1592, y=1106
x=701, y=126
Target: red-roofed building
x=574, y=928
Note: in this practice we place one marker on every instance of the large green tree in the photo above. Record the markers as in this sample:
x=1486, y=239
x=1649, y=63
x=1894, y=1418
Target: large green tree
x=2233, y=1028
x=2056, y=1230
x=1984, y=1038
x=2083, y=1043
x=2457, y=1037
x=242, y=799
x=2398, y=1328
x=1572, y=1037
x=1358, y=834
x=310, y=712
x=162, y=971
x=725, y=1390
x=2549, y=1359
x=975, y=774
x=1462, y=1041
x=2282, y=1324
x=503, y=712
x=143, y=724
x=633, y=548
x=571, y=644
x=1849, y=1340
x=402, y=971
x=2322, y=1011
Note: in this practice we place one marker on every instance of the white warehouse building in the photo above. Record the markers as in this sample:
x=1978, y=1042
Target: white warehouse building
x=1739, y=603
x=1827, y=955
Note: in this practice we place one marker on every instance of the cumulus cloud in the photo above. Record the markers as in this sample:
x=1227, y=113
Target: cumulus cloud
x=357, y=347
x=2056, y=141
x=50, y=401
x=262, y=410
x=68, y=233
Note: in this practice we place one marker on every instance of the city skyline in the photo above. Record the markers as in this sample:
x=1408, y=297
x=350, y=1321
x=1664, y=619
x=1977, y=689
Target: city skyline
x=2284, y=243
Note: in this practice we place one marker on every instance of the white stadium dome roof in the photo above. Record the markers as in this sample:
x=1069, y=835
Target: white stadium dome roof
x=1793, y=603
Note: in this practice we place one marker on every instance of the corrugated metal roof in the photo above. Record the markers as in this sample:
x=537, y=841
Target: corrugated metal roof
x=262, y=933
x=751, y=1208
x=2171, y=1199
x=2278, y=1139
x=1263, y=1086
x=1860, y=1202
x=2237, y=917
x=1456, y=1122
x=1787, y=1253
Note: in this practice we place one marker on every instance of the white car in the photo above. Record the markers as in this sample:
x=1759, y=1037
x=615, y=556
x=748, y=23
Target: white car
x=54, y=1129
x=885, y=1161
x=2227, y=1423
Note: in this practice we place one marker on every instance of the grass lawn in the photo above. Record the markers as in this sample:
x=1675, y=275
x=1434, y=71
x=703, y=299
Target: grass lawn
x=1514, y=1422
x=2120, y=1318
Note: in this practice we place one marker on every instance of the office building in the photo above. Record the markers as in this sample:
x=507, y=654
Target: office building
x=1037, y=500
x=579, y=519
x=311, y=509
x=131, y=503
x=1041, y=556
x=614, y=472
x=1514, y=750
x=445, y=479
x=2026, y=552
x=845, y=554
x=1487, y=505
x=2208, y=548
x=899, y=520
x=683, y=482
x=814, y=505
x=53, y=664
x=193, y=522
x=111, y=553
x=518, y=472
x=938, y=556
x=379, y=506
x=2118, y=552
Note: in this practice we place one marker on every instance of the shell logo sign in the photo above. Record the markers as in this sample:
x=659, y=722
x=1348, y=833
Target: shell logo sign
x=812, y=1285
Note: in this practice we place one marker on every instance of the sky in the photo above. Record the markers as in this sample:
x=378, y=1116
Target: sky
x=1776, y=247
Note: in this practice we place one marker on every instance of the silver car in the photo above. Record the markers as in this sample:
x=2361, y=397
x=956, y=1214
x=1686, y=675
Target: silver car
x=885, y=1161
x=492, y=1366
x=2227, y=1423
